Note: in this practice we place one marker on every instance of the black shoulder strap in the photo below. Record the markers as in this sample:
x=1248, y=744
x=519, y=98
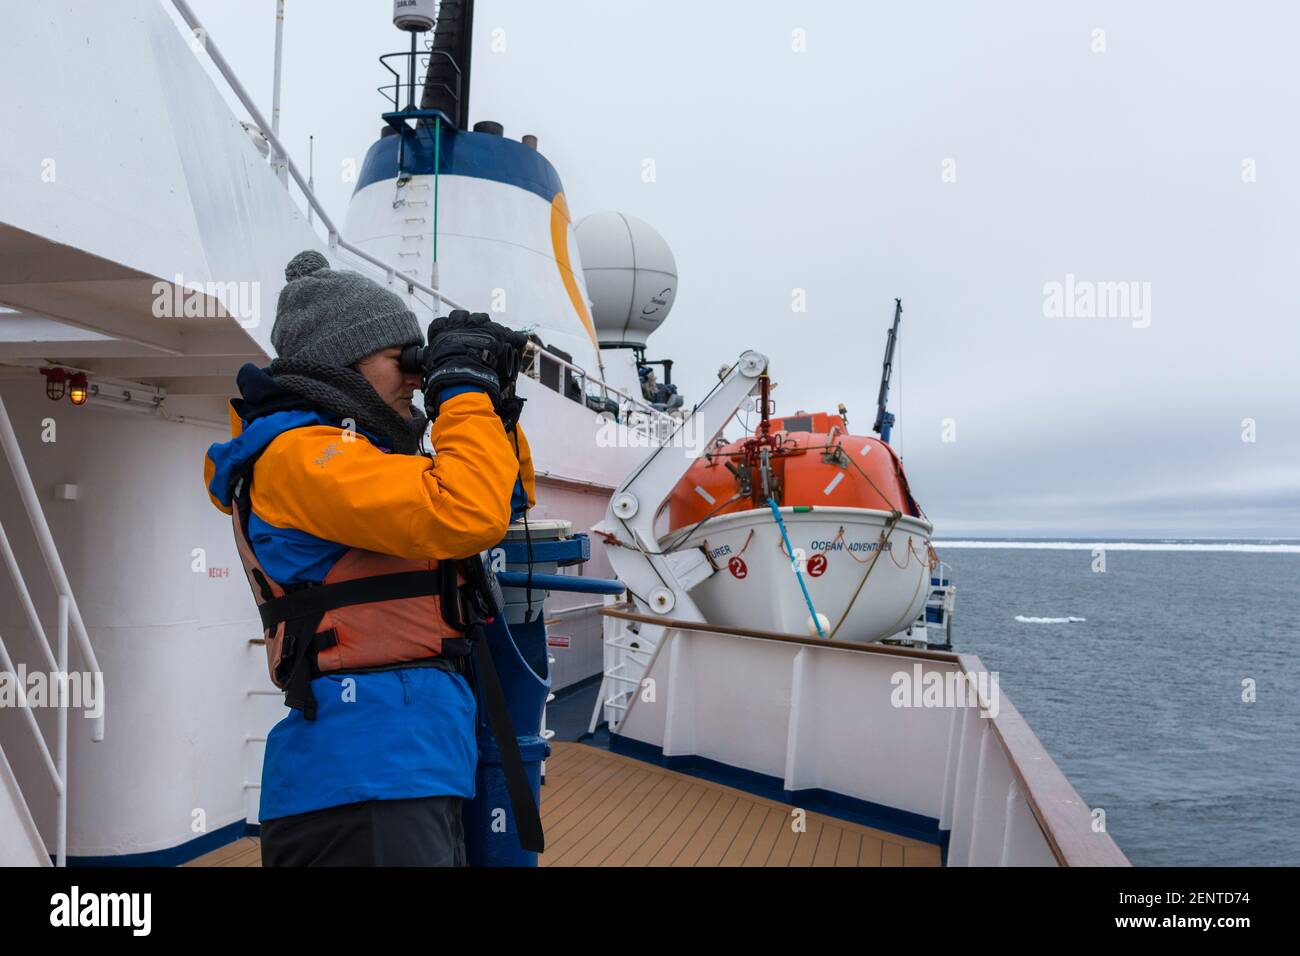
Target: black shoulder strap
x=457, y=599
x=314, y=601
x=527, y=819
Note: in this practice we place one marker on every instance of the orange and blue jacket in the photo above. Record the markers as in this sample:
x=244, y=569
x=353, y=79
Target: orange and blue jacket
x=319, y=489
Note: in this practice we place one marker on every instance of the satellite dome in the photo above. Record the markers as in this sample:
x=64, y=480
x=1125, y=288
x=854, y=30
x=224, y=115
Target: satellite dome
x=631, y=277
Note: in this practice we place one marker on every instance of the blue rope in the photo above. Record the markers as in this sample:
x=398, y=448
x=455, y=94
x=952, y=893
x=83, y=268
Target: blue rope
x=776, y=513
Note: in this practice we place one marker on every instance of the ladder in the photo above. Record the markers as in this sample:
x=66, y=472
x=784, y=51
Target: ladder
x=629, y=648
x=31, y=848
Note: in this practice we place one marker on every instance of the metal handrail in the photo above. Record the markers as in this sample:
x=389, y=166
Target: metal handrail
x=638, y=405
x=397, y=86
x=69, y=616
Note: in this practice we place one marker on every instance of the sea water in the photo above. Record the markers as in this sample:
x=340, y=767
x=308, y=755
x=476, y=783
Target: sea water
x=1174, y=705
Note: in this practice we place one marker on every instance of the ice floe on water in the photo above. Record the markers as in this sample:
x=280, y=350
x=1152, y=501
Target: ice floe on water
x=1250, y=547
x=1049, y=620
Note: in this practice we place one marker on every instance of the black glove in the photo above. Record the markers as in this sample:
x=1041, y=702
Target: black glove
x=470, y=349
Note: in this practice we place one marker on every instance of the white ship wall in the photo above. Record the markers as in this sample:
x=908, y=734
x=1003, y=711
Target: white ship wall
x=170, y=630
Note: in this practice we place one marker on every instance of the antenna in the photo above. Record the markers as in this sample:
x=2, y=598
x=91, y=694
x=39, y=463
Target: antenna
x=311, y=176
x=277, y=161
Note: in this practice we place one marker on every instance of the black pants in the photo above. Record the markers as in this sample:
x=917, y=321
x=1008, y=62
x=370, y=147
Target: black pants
x=423, y=831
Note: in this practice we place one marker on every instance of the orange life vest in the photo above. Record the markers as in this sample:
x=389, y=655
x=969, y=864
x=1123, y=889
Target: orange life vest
x=372, y=612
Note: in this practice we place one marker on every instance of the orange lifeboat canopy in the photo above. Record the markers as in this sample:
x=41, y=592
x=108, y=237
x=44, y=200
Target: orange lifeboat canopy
x=817, y=464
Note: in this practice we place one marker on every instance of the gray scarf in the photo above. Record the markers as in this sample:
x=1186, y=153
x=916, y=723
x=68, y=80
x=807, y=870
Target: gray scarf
x=347, y=394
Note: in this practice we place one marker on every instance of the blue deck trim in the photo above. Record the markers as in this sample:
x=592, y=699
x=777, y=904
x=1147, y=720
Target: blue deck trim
x=826, y=802
x=176, y=855
x=478, y=155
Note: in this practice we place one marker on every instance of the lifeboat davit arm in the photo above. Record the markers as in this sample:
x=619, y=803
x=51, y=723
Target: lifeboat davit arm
x=661, y=581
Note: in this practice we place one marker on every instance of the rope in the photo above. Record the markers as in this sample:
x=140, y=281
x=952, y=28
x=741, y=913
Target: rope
x=883, y=497
x=884, y=539
x=904, y=565
x=776, y=513
x=921, y=584
x=611, y=540
x=748, y=538
x=677, y=542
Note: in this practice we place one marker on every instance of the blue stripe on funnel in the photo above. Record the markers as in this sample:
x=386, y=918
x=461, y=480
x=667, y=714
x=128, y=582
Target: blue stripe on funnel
x=479, y=155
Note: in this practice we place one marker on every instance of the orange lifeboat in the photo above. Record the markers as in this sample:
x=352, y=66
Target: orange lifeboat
x=803, y=494
x=813, y=461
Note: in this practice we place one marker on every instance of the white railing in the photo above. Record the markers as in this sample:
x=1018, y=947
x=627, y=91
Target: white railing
x=69, y=619
x=831, y=716
x=628, y=405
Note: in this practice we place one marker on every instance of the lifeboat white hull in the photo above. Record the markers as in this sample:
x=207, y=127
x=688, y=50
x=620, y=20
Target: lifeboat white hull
x=865, y=593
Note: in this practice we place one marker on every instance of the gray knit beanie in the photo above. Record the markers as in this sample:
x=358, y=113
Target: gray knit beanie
x=336, y=317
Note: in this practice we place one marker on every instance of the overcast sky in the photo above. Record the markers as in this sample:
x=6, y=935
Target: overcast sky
x=960, y=156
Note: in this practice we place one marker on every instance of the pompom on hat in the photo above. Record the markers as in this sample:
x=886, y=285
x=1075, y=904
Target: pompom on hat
x=337, y=317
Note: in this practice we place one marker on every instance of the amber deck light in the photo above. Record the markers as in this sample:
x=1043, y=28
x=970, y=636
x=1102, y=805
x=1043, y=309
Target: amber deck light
x=79, y=389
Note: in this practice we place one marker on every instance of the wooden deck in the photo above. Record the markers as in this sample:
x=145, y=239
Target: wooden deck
x=604, y=809
x=246, y=851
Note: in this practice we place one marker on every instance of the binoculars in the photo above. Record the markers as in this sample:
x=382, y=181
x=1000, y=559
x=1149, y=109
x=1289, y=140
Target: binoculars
x=469, y=348
x=508, y=345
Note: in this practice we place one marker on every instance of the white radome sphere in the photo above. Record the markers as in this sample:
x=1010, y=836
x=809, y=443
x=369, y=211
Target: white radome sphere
x=631, y=277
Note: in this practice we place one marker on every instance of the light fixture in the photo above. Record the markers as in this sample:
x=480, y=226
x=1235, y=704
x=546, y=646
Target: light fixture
x=79, y=389
x=55, y=383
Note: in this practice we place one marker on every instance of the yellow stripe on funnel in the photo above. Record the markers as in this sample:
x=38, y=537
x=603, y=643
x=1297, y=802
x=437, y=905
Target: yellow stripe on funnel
x=560, y=223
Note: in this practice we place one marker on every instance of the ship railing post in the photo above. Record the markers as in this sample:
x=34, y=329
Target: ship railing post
x=61, y=840
x=986, y=744
x=963, y=811
x=1008, y=824
x=800, y=666
x=950, y=769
